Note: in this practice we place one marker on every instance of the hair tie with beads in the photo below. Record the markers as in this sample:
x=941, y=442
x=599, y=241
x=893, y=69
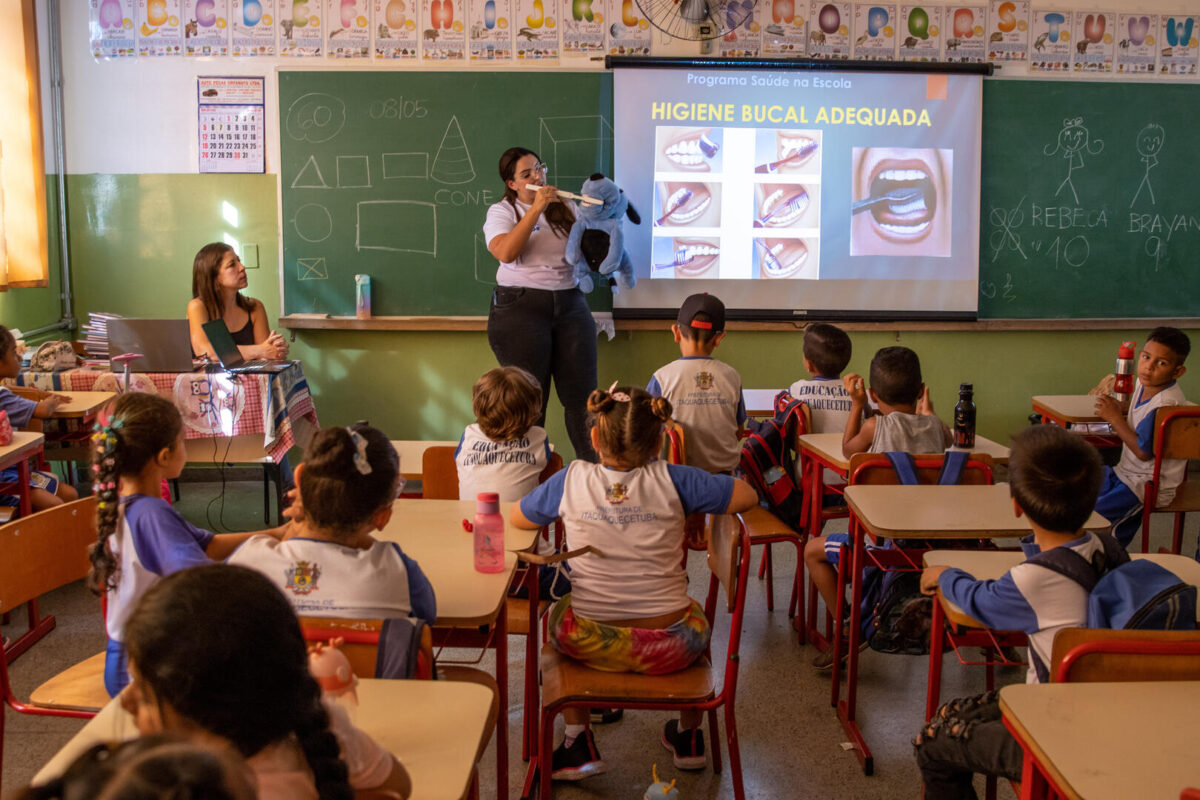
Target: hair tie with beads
x=361, y=463
x=620, y=397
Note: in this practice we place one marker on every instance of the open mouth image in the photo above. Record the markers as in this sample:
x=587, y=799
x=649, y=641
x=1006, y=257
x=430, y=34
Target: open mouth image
x=688, y=149
x=781, y=258
x=784, y=205
x=787, y=151
x=690, y=258
x=901, y=202
x=695, y=204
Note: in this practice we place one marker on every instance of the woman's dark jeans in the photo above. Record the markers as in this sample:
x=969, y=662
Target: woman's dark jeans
x=552, y=335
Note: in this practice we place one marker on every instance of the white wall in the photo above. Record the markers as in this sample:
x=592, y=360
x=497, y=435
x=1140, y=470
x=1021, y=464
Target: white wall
x=139, y=115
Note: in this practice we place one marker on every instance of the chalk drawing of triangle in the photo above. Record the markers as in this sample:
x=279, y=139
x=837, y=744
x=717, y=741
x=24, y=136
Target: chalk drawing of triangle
x=452, y=164
x=310, y=176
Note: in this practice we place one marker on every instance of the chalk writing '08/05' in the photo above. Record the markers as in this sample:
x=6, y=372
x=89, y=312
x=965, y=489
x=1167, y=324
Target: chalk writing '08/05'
x=398, y=108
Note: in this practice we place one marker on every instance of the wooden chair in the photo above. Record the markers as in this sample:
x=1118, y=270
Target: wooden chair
x=1096, y=654
x=361, y=647
x=1176, y=436
x=411, y=453
x=38, y=554
x=567, y=683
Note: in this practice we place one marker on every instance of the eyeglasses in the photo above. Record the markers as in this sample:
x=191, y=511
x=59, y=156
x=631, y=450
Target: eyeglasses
x=529, y=173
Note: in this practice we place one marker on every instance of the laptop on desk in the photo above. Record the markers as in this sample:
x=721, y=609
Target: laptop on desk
x=165, y=345
x=230, y=357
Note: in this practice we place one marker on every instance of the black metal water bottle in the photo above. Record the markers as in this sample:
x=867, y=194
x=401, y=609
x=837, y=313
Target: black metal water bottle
x=964, y=417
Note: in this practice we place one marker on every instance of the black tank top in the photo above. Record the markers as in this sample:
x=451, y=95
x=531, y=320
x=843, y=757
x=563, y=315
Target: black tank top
x=244, y=336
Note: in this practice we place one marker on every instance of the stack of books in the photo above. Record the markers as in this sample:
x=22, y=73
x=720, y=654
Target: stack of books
x=95, y=334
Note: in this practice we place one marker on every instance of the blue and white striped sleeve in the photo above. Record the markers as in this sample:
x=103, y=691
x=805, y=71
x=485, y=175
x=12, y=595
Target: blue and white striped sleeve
x=998, y=604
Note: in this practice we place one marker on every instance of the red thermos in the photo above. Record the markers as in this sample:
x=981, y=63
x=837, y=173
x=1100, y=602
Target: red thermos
x=1123, y=384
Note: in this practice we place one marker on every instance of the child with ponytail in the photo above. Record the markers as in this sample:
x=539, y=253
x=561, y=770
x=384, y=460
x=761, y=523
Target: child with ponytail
x=137, y=444
x=344, y=492
x=216, y=654
x=629, y=609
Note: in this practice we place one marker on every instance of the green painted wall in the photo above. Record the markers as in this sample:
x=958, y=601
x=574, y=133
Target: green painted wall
x=133, y=238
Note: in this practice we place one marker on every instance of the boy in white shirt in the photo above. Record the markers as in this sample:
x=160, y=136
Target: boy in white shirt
x=706, y=394
x=827, y=351
x=503, y=451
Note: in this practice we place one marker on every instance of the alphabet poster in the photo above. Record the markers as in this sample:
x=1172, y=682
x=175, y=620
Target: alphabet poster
x=349, y=30
x=1178, y=42
x=743, y=38
x=1052, y=41
x=537, y=30
x=1094, y=41
x=966, y=40
x=396, y=29
x=301, y=28
x=110, y=29
x=206, y=27
x=582, y=27
x=443, y=30
x=829, y=30
x=491, y=32
x=1008, y=30
x=874, y=32
x=920, y=33
x=159, y=32
x=629, y=34
x=785, y=30
x=252, y=24
x=1137, y=45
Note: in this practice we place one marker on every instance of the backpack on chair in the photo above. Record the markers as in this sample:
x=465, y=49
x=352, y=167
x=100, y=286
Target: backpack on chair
x=767, y=461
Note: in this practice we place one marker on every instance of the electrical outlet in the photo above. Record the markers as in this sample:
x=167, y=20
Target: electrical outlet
x=250, y=256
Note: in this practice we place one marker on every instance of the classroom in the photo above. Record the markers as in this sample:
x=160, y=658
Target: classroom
x=120, y=149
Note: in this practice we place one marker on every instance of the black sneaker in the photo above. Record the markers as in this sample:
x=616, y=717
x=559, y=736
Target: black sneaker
x=578, y=761
x=606, y=716
x=686, y=746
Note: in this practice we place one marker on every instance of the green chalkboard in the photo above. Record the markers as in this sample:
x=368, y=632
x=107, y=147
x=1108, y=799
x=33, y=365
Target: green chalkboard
x=1090, y=206
x=390, y=173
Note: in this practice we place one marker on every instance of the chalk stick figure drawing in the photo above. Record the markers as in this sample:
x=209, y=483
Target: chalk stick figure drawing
x=1072, y=142
x=1149, y=143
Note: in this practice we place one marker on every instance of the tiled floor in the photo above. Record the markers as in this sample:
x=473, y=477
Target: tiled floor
x=791, y=742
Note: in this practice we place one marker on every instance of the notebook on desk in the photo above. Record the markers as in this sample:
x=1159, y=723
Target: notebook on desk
x=165, y=345
x=230, y=357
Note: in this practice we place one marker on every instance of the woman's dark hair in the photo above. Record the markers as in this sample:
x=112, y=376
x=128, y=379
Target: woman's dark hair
x=7, y=342
x=135, y=428
x=221, y=646
x=559, y=215
x=336, y=493
x=630, y=422
x=507, y=402
x=158, y=767
x=205, y=268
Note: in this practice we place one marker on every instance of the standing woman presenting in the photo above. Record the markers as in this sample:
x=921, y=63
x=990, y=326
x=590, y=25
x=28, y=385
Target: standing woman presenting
x=539, y=320
x=218, y=277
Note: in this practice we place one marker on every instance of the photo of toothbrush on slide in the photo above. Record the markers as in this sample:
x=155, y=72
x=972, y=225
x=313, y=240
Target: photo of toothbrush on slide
x=786, y=205
x=687, y=149
x=686, y=257
x=787, y=153
x=901, y=201
x=695, y=205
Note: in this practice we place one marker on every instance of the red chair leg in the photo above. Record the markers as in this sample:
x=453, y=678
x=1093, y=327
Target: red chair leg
x=546, y=756
x=714, y=735
x=770, y=577
x=1177, y=534
x=762, y=561
x=937, y=643
x=735, y=756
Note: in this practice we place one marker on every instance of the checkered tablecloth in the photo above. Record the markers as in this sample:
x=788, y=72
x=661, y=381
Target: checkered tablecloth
x=212, y=404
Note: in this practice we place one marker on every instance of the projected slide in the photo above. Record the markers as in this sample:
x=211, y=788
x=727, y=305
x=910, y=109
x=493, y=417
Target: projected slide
x=813, y=191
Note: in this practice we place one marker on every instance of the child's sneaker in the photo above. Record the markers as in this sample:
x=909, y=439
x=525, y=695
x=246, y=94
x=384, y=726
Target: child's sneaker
x=686, y=746
x=606, y=716
x=823, y=660
x=578, y=761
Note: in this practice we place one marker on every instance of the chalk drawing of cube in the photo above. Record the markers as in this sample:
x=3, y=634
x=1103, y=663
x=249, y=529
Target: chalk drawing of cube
x=402, y=226
x=575, y=147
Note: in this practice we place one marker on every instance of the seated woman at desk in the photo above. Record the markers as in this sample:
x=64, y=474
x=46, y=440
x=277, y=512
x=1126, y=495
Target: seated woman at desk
x=218, y=277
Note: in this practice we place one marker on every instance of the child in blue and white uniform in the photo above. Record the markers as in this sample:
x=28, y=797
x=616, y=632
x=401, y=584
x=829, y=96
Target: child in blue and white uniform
x=629, y=609
x=328, y=564
x=141, y=538
x=504, y=450
x=1159, y=366
x=1054, y=476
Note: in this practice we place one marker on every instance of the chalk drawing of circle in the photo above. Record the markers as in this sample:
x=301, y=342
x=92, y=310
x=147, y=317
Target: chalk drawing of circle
x=316, y=117
x=312, y=222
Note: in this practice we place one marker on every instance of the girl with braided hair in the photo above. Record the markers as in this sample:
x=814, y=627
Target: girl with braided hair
x=629, y=609
x=216, y=654
x=140, y=538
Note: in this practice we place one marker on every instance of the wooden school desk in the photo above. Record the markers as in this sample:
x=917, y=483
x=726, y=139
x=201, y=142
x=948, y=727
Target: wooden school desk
x=1074, y=409
x=759, y=402
x=1106, y=741
x=432, y=727
x=431, y=532
x=915, y=512
x=25, y=445
x=991, y=565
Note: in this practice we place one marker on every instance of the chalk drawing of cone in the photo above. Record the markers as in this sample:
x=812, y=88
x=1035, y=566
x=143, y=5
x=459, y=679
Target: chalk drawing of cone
x=452, y=164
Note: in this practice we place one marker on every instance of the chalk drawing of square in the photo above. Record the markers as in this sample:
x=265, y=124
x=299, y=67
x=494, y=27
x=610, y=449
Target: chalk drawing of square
x=402, y=226
x=353, y=172
x=574, y=147
x=405, y=165
x=312, y=269
x=485, y=263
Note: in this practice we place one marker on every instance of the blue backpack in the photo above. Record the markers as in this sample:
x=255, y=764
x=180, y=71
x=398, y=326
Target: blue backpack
x=1125, y=594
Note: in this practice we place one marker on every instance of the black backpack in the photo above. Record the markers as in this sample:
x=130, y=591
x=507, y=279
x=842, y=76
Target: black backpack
x=896, y=616
x=768, y=463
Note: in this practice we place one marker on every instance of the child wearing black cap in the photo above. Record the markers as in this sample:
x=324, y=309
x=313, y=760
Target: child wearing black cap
x=705, y=393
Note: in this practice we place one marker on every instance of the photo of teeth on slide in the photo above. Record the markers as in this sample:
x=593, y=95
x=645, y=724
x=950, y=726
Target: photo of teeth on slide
x=786, y=205
x=692, y=257
x=787, y=153
x=696, y=205
x=900, y=201
x=687, y=149
x=786, y=258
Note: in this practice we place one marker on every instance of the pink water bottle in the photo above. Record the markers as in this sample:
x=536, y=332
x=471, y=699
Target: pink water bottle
x=489, y=533
x=1123, y=378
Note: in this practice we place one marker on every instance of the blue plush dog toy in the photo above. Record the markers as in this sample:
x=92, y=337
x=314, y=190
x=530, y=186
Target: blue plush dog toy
x=597, y=241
